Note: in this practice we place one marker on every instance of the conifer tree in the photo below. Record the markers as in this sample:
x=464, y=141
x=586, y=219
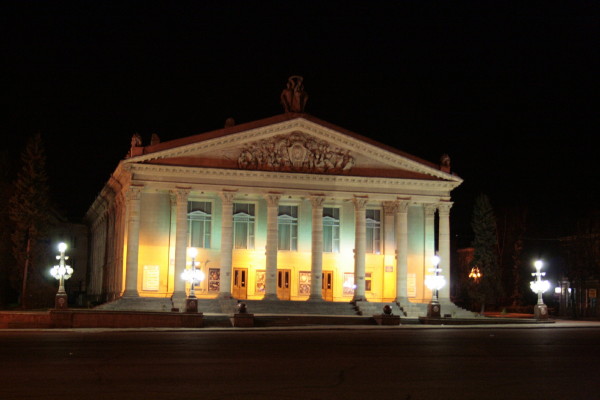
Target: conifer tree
x=485, y=257
x=29, y=211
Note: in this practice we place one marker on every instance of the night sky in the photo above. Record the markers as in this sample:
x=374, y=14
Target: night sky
x=508, y=90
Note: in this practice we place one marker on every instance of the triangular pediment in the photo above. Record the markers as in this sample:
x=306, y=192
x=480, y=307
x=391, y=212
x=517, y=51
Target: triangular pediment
x=291, y=145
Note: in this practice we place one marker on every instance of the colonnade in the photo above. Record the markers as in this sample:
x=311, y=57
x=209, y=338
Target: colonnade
x=398, y=208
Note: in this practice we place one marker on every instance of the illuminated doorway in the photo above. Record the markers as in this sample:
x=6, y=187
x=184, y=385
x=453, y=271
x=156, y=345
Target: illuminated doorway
x=284, y=284
x=327, y=286
x=240, y=278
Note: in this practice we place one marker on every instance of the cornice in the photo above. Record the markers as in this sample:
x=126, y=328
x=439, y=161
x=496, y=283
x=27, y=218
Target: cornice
x=271, y=177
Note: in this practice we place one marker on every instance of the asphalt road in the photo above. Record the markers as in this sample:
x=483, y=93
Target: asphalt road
x=404, y=364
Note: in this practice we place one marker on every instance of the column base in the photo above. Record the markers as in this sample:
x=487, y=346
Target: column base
x=61, y=301
x=131, y=293
x=316, y=297
x=358, y=298
x=434, y=310
x=270, y=297
x=225, y=295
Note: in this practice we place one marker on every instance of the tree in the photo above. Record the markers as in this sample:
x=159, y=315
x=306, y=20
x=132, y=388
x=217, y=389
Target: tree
x=29, y=211
x=485, y=244
x=511, y=226
x=6, y=260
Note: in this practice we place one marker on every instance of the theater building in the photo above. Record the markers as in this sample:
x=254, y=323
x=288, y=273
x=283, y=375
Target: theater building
x=289, y=207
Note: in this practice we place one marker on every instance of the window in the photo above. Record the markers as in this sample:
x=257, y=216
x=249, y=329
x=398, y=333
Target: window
x=331, y=230
x=287, y=228
x=199, y=223
x=243, y=225
x=373, y=231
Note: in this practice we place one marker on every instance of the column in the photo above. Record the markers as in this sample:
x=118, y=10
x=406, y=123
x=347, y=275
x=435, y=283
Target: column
x=271, y=248
x=360, y=246
x=181, y=240
x=226, y=243
x=430, y=210
x=316, y=267
x=444, y=247
x=402, y=252
x=134, y=194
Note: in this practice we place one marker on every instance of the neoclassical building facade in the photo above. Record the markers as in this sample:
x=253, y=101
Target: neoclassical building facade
x=289, y=207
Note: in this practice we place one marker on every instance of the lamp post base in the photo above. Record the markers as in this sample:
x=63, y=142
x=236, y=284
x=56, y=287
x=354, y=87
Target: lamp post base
x=191, y=305
x=60, y=301
x=434, y=310
x=540, y=312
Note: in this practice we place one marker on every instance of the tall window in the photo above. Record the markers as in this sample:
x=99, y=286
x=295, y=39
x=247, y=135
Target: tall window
x=199, y=223
x=373, y=231
x=287, y=228
x=331, y=230
x=243, y=225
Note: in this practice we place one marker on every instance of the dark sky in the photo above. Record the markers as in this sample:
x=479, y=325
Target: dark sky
x=508, y=90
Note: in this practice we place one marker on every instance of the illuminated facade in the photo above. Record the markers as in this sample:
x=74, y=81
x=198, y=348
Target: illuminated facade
x=289, y=207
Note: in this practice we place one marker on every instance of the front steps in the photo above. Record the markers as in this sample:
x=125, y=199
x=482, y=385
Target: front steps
x=406, y=309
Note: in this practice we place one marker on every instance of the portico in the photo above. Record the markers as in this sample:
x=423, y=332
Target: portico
x=288, y=203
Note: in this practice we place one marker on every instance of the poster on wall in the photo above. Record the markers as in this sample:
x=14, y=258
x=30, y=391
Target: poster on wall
x=304, y=286
x=411, y=285
x=260, y=281
x=349, y=285
x=151, y=278
x=214, y=279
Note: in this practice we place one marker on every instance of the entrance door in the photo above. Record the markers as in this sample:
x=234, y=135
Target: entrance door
x=327, y=285
x=240, y=277
x=284, y=283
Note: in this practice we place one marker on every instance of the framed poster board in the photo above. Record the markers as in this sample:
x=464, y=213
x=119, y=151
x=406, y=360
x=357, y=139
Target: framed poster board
x=151, y=278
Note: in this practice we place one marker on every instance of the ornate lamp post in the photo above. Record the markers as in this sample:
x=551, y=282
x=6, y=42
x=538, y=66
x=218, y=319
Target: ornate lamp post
x=434, y=283
x=61, y=272
x=539, y=286
x=193, y=276
x=475, y=274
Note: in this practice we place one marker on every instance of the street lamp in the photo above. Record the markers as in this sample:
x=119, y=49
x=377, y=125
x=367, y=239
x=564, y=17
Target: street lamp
x=434, y=283
x=193, y=276
x=539, y=286
x=61, y=272
x=475, y=274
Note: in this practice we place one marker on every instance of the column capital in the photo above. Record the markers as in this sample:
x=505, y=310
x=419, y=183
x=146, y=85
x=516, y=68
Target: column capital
x=403, y=205
x=272, y=199
x=180, y=193
x=444, y=208
x=134, y=192
x=227, y=196
x=430, y=209
x=317, y=200
x=360, y=202
x=390, y=207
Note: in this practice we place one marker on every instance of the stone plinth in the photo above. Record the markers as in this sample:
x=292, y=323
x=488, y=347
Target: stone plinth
x=386, y=319
x=243, y=320
x=540, y=311
x=60, y=301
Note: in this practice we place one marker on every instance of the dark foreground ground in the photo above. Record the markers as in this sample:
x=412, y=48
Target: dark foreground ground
x=535, y=362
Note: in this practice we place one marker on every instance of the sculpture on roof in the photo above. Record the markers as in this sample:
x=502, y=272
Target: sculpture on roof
x=136, y=144
x=293, y=97
x=445, y=163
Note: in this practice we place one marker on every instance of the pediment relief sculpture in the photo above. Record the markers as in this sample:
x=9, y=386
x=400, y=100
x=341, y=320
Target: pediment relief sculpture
x=296, y=152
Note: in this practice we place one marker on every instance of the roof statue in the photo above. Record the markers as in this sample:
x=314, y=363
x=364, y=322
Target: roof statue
x=293, y=97
x=445, y=163
x=136, y=145
x=155, y=139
